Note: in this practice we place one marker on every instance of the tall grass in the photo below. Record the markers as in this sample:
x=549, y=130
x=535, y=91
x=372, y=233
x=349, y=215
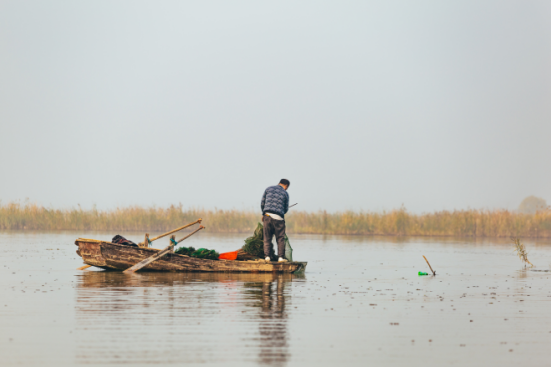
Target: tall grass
x=474, y=223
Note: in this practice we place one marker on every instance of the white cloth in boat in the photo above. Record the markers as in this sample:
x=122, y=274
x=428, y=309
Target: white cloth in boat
x=274, y=216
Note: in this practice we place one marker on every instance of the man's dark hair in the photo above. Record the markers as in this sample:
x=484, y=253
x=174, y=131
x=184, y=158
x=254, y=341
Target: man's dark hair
x=285, y=182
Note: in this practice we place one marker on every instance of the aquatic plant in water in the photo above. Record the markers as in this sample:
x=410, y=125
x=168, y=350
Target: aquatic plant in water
x=521, y=251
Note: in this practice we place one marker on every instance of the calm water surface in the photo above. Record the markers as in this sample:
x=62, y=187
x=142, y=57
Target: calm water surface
x=360, y=302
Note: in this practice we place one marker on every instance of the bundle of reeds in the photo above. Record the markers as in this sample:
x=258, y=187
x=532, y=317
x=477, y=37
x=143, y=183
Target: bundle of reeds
x=521, y=251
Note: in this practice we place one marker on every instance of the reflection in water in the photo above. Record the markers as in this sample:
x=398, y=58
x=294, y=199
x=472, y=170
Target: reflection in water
x=183, y=317
x=270, y=296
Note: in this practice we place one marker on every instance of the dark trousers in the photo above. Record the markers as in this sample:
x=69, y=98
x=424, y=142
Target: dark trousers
x=271, y=227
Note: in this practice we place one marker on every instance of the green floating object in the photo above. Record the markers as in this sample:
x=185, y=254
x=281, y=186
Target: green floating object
x=423, y=273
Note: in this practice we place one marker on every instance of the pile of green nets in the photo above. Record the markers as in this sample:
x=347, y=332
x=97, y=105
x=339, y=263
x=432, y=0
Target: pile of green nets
x=185, y=251
x=201, y=253
x=254, y=245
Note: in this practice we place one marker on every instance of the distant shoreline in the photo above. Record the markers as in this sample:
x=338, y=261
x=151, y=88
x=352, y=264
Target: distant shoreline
x=399, y=222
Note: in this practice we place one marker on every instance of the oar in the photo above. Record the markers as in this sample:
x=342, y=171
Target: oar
x=156, y=238
x=158, y=255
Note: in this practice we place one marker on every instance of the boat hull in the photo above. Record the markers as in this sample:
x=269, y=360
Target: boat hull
x=107, y=255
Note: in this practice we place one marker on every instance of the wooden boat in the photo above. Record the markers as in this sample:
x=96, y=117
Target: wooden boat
x=107, y=255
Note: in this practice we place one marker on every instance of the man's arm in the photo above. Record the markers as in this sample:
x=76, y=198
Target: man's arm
x=287, y=203
x=263, y=201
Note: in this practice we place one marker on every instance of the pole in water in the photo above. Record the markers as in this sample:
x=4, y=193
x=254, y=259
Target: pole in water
x=433, y=272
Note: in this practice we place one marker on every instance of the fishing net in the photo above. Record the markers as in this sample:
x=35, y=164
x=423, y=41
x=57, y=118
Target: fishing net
x=185, y=251
x=288, y=249
x=201, y=253
x=254, y=245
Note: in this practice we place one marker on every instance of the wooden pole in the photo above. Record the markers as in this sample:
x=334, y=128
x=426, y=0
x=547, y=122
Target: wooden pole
x=145, y=242
x=433, y=272
x=171, y=232
x=158, y=255
x=84, y=267
x=172, y=238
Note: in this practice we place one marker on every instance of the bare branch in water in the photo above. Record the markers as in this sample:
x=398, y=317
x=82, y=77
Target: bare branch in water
x=521, y=251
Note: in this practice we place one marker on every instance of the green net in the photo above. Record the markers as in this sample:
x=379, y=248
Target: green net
x=201, y=253
x=185, y=251
x=288, y=249
x=254, y=245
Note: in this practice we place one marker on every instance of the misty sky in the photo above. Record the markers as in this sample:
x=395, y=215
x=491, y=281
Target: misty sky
x=361, y=105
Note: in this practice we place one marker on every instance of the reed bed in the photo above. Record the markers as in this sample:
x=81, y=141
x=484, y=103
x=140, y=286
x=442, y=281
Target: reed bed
x=399, y=222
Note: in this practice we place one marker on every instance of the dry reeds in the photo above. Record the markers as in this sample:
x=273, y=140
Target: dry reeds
x=521, y=251
x=460, y=223
x=472, y=223
x=28, y=216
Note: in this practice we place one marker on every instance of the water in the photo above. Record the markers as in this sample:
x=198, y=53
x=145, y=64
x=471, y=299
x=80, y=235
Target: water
x=360, y=302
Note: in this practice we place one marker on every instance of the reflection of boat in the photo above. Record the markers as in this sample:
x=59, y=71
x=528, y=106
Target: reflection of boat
x=109, y=279
x=108, y=255
x=166, y=318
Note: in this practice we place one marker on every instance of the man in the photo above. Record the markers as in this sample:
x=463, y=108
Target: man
x=274, y=205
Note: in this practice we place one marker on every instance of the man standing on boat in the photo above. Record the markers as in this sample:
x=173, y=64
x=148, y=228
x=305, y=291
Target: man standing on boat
x=274, y=205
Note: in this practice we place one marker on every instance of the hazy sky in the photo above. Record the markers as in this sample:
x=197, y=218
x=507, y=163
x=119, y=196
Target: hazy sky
x=361, y=105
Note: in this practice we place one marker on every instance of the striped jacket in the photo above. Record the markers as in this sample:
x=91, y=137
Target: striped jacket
x=275, y=200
